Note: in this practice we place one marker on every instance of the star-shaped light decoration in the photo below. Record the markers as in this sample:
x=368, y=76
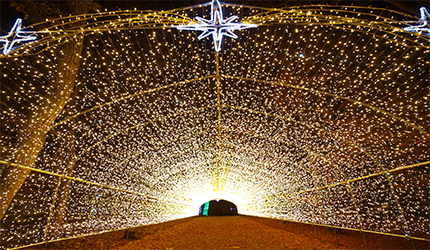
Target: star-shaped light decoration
x=15, y=35
x=424, y=25
x=217, y=26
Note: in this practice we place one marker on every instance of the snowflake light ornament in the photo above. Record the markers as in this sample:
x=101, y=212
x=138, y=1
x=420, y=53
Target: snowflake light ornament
x=15, y=35
x=217, y=26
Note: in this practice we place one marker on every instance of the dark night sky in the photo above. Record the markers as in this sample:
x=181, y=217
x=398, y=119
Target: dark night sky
x=9, y=14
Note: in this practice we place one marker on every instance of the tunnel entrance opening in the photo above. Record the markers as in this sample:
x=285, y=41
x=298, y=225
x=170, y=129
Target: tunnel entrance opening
x=218, y=208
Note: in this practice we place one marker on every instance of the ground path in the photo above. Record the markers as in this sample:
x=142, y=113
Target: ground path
x=234, y=232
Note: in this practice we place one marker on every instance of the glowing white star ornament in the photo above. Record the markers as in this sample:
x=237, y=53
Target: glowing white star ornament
x=15, y=35
x=217, y=26
x=424, y=25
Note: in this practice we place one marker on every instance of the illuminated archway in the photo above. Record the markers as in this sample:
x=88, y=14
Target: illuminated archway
x=118, y=119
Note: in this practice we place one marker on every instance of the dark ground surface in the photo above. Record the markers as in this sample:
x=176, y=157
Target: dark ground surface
x=239, y=232
x=235, y=232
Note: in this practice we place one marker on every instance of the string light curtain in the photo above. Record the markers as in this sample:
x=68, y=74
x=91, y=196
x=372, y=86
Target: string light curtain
x=319, y=114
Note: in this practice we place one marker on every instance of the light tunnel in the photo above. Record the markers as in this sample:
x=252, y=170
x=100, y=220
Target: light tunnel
x=318, y=114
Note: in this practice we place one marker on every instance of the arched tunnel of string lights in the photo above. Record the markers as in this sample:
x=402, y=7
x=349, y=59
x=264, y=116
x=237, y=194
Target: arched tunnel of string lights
x=312, y=113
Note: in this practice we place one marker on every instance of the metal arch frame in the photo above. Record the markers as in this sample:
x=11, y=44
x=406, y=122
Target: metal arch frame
x=119, y=100
x=156, y=146
x=127, y=12
x=212, y=161
x=250, y=110
x=141, y=151
x=219, y=106
x=349, y=21
x=170, y=142
x=136, y=126
x=332, y=95
x=77, y=179
x=142, y=14
x=279, y=117
x=221, y=154
x=128, y=23
x=353, y=145
x=232, y=170
x=319, y=7
x=288, y=143
x=296, y=164
x=258, y=163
